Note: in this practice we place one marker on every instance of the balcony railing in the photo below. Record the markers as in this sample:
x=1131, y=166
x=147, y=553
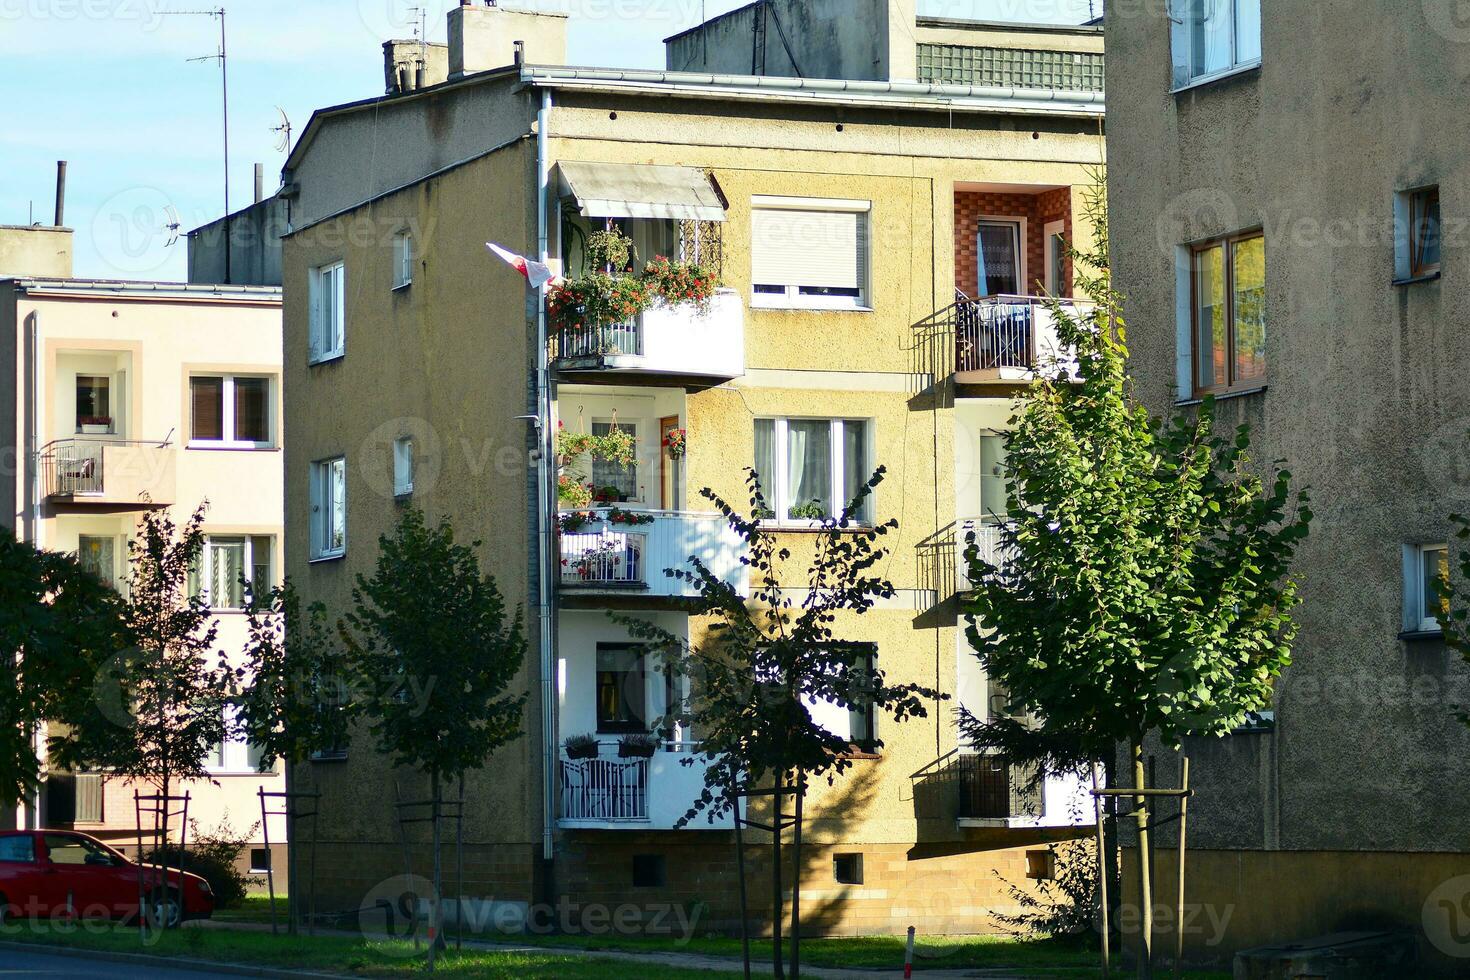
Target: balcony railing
x=108, y=471
x=993, y=788
x=988, y=546
x=615, y=557
x=682, y=340
x=604, y=790
x=999, y=339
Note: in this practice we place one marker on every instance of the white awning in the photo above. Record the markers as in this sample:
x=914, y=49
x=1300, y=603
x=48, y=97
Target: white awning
x=625, y=190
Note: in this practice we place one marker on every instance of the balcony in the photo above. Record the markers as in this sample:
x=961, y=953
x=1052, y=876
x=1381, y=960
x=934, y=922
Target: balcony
x=665, y=342
x=600, y=556
x=995, y=341
x=987, y=790
x=609, y=793
x=108, y=472
x=988, y=545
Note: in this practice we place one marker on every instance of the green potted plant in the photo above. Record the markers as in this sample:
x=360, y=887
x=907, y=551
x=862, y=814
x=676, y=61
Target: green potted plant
x=637, y=746
x=581, y=747
x=609, y=250
x=812, y=510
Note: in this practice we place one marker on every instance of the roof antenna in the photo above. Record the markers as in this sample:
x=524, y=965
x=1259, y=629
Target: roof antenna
x=283, y=132
x=224, y=77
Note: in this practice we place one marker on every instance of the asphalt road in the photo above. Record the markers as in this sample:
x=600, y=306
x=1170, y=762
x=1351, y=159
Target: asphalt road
x=18, y=963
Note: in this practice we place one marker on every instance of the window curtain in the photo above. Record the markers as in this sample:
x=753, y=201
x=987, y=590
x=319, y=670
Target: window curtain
x=765, y=458
x=809, y=464
x=96, y=555
x=854, y=464
x=337, y=493
x=997, y=255
x=1211, y=27
x=226, y=566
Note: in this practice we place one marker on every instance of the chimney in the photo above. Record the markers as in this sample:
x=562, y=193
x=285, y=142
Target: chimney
x=259, y=182
x=484, y=35
x=60, y=194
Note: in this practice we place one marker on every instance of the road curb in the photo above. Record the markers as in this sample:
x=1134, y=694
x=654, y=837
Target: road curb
x=168, y=962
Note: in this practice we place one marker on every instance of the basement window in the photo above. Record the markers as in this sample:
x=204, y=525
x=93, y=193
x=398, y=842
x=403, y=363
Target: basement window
x=1041, y=865
x=847, y=869
x=649, y=871
x=260, y=860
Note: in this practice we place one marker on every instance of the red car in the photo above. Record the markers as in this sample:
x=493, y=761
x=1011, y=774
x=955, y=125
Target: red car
x=46, y=873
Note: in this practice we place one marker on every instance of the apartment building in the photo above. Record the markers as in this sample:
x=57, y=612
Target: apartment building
x=877, y=246
x=125, y=396
x=1276, y=225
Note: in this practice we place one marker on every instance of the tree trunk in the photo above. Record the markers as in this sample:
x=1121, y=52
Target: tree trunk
x=434, y=923
x=1145, y=882
x=778, y=905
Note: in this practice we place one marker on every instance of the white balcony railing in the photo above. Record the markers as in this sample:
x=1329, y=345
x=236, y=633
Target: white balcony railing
x=643, y=794
x=987, y=543
x=1008, y=338
x=602, y=555
x=672, y=340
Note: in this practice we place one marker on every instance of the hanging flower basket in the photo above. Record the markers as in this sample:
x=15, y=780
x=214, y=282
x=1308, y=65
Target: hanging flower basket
x=676, y=443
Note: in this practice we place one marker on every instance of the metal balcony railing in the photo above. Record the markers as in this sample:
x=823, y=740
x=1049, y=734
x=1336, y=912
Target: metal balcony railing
x=609, y=790
x=600, y=340
x=603, y=557
x=1002, y=338
x=73, y=467
x=993, y=788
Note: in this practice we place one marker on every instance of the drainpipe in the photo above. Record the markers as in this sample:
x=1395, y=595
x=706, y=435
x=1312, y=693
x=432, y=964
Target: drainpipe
x=545, y=488
x=33, y=457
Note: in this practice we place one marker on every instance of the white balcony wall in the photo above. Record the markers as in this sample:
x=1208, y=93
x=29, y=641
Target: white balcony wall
x=618, y=557
x=673, y=340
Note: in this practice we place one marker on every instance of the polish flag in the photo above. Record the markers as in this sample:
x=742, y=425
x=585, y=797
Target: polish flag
x=537, y=274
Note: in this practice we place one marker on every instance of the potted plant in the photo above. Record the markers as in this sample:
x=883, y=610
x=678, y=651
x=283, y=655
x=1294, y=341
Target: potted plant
x=609, y=250
x=637, y=746
x=572, y=493
x=677, y=282
x=94, y=425
x=812, y=510
x=676, y=443
x=608, y=495
x=581, y=747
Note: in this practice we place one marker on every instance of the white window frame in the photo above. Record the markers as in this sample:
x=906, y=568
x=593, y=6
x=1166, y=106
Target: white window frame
x=235, y=755
x=793, y=298
x=1023, y=272
x=1404, y=235
x=328, y=340
x=1415, y=600
x=322, y=514
x=1050, y=254
x=403, y=466
x=1180, y=14
x=206, y=566
x=402, y=260
x=227, y=413
x=776, y=486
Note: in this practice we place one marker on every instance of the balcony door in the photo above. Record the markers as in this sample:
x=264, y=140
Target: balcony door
x=998, y=257
x=668, y=493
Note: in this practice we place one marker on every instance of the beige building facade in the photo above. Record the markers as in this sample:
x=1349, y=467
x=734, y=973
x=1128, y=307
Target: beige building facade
x=1276, y=179
x=126, y=396
x=874, y=246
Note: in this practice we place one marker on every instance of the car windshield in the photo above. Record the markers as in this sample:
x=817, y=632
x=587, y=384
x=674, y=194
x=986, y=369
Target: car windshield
x=77, y=850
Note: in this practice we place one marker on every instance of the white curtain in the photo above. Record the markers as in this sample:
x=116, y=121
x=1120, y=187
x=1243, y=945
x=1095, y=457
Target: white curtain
x=809, y=463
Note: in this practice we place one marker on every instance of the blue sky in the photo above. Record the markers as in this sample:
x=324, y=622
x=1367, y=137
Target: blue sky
x=107, y=85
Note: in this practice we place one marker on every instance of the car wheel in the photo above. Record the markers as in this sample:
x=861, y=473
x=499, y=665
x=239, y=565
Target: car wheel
x=4, y=910
x=165, y=909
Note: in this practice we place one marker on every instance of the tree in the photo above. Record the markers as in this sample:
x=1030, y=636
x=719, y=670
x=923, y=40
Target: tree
x=1145, y=586
x=166, y=695
x=59, y=625
x=430, y=625
x=767, y=660
x=1452, y=611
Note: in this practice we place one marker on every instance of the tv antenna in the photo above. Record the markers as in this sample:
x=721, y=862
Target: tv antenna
x=171, y=224
x=283, y=132
x=224, y=80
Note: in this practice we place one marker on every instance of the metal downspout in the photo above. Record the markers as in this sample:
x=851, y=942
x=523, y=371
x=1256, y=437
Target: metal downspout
x=545, y=487
x=33, y=457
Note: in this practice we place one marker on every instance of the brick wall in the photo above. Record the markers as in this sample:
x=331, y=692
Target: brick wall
x=970, y=207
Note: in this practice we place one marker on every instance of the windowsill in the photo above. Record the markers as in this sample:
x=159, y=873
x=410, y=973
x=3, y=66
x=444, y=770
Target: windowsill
x=338, y=757
x=237, y=773
x=231, y=447
x=402, y=286
x=790, y=305
x=326, y=358
x=334, y=556
x=1422, y=636
x=1413, y=280
x=810, y=527
x=1222, y=396
x=859, y=755
x=1204, y=81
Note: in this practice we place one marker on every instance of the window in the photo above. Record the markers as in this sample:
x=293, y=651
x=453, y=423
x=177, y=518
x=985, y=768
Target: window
x=1416, y=234
x=98, y=554
x=94, y=403
x=621, y=694
x=1425, y=565
x=1041, y=865
x=1214, y=37
x=809, y=253
x=260, y=860
x=649, y=871
x=811, y=469
x=227, y=565
x=994, y=482
x=847, y=869
x=1228, y=314
x=402, y=466
x=230, y=411
x=618, y=482
x=998, y=255
x=329, y=508
x=65, y=849
x=1056, y=258
x=328, y=315
x=853, y=720
x=402, y=259
x=17, y=849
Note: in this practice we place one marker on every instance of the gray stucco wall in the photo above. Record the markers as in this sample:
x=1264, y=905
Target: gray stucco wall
x=830, y=38
x=254, y=236
x=1366, y=397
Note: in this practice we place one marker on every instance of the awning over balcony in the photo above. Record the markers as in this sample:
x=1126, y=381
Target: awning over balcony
x=625, y=190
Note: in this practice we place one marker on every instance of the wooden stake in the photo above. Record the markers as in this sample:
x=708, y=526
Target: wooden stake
x=1179, y=903
x=1102, y=876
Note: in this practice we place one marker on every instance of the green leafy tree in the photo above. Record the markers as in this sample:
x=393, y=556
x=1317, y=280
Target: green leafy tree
x=767, y=658
x=1452, y=611
x=59, y=625
x=1145, y=583
x=434, y=635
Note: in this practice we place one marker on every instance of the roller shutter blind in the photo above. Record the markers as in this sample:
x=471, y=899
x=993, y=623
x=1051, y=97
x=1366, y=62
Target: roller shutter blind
x=812, y=249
